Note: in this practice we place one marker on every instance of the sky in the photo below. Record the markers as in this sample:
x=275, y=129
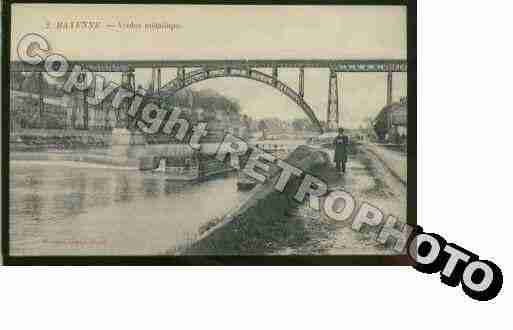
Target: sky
x=238, y=32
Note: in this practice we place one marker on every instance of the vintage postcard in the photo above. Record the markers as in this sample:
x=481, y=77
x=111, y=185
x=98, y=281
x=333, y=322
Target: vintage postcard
x=178, y=131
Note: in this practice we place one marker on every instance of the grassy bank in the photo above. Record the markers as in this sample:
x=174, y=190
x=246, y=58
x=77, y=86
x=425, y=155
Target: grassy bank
x=261, y=225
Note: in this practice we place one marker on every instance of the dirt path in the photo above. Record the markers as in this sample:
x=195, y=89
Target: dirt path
x=368, y=180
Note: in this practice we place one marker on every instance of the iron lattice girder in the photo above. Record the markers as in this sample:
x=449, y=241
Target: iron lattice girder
x=334, y=64
x=302, y=82
x=333, y=115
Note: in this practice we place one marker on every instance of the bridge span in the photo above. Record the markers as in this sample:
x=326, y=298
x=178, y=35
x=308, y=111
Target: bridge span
x=338, y=65
x=242, y=68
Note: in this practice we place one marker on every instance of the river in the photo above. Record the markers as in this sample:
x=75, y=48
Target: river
x=73, y=208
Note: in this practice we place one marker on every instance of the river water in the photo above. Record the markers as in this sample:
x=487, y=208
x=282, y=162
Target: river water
x=77, y=208
x=72, y=208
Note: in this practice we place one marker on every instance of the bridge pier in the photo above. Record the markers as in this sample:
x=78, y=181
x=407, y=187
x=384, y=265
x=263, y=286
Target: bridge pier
x=180, y=74
x=127, y=82
x=125, y=138
x=85, y=113
x=275, y=75
x=156, y=80
x=152, y=83
x=301, y=82
x=159, y=80
x=332, y=118
x=41, y=97
x=124, y=145
x=390, y=82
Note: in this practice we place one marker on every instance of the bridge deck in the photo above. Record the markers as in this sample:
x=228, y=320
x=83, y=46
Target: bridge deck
x=338, y=65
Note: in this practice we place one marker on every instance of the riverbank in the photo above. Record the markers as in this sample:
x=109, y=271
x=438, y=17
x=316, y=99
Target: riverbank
x=275, y=224
x=260, y=224
x=58, y=139
x=99, y=157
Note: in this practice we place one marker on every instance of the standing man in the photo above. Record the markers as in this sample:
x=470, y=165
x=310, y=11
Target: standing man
x=341, y=145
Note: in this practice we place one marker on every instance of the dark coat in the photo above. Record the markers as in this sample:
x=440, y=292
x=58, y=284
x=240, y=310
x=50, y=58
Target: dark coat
x=341, y=148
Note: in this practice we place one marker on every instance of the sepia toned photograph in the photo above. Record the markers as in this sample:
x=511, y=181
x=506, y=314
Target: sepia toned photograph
x=199, y=134
x=197, y=163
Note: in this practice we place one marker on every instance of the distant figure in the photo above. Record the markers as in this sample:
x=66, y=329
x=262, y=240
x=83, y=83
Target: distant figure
x=341, y=142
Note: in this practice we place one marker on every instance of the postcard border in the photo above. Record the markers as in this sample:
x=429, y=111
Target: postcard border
x=236, y=260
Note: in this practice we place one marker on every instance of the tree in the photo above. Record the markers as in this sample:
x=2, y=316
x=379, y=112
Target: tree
x=262, y=126
x=246, y=121
x=298, y=125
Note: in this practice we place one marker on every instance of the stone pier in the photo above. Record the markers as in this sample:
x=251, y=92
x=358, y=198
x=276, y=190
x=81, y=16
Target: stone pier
x=126, y=147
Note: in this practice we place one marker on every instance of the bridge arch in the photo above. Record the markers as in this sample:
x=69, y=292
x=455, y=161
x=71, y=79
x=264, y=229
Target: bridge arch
x=209, y=73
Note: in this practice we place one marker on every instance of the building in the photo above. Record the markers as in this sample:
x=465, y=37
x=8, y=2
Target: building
x=391, y=124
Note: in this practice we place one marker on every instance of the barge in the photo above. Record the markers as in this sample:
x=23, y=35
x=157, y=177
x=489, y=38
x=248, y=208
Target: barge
x=184, y=168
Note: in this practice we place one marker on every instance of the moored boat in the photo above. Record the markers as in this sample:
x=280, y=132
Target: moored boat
x=245, y=182
x=184, y=168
